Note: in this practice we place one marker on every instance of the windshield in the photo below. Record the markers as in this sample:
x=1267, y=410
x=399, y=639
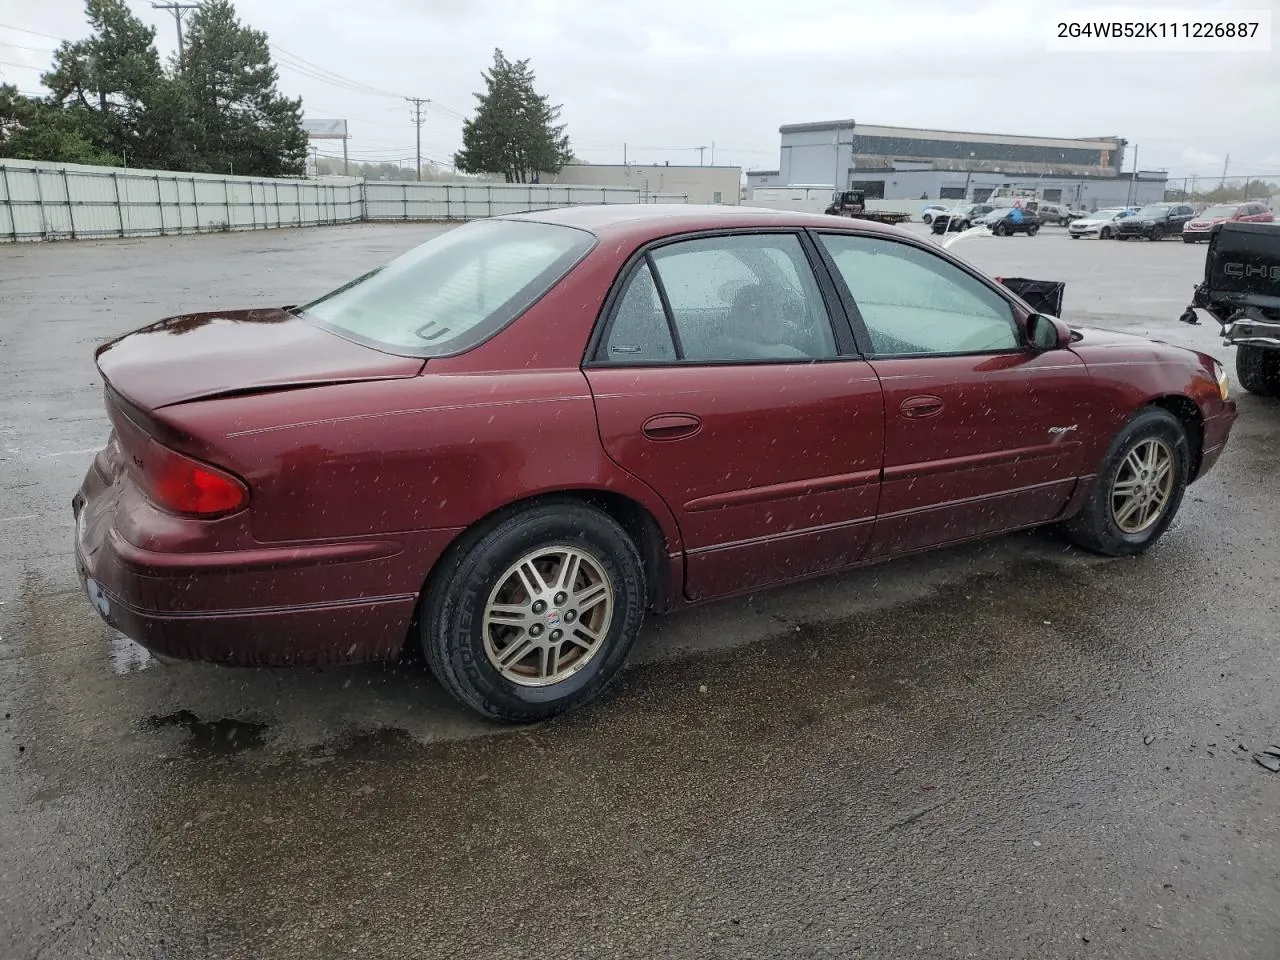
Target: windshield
x=453, y=291
x=1154, y=210
x=1221, y=210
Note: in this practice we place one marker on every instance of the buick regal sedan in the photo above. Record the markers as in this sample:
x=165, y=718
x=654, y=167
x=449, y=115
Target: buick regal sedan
x=512, y=442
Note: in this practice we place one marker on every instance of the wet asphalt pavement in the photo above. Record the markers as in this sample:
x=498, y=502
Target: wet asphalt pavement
x=1006, y=750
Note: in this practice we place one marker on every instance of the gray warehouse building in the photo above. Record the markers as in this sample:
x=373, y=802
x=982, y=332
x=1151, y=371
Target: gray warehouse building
x=892, y=163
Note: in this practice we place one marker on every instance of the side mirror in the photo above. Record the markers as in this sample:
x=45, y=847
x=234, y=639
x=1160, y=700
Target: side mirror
x=1047, y=333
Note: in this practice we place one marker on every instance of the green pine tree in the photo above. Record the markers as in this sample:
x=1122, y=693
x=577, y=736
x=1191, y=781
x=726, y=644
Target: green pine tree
x=514, y=130
x=35, y=129
x=242, y=123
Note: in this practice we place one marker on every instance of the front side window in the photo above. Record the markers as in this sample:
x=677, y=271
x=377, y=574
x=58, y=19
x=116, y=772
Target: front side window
x=453, y=291
x=731, y=298
x=914, y=302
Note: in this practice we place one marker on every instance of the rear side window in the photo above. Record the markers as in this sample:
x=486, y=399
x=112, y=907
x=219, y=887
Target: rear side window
x=453, y=291
x=640, y=333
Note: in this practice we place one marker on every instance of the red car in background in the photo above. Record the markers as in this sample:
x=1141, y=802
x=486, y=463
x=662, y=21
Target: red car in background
x=510, y=443
x=1202, y=225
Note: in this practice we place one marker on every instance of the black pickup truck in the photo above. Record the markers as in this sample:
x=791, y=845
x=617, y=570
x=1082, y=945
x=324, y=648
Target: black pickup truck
x=1241, y=290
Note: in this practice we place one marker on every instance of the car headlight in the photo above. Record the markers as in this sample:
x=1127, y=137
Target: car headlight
x=1148, y=223
x=1224, y=388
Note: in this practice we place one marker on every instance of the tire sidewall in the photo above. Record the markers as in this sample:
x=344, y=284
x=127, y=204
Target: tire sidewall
x=456, y=621
x=1151, y=423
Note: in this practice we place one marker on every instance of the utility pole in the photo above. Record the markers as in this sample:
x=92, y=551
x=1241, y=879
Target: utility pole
x=1226, y=161
x=178, y=10
x=1133, y=182
x=713, y=153
x=624, y=154
x=700, y=150
x=417, y=122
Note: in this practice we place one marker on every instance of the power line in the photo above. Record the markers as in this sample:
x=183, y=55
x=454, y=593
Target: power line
x=35, y=33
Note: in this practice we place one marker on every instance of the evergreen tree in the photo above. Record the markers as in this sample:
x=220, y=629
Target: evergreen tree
x=242, y=124
x=514, y=130
x=105, y=81
x=35, y=129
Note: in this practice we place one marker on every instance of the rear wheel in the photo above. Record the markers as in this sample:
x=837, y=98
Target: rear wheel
x=1105, y=233
x=1258, y=369
x=1121, y=236
x=1138, y=489
x=534, y=615
x=1186, y=239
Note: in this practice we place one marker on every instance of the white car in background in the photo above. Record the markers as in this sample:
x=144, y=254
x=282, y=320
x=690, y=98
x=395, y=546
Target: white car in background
x=1098, y=224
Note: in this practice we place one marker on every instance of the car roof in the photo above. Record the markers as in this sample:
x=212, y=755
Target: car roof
x=646, y=221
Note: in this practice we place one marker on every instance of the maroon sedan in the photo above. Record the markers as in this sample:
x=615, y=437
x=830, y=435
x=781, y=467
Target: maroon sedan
x=510, y=443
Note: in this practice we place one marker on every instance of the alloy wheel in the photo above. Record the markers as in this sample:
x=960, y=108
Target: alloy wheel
x=548, y=616
x=1143, y=486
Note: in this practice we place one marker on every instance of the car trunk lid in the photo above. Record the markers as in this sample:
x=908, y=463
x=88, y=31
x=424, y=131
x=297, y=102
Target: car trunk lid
x=200, y=356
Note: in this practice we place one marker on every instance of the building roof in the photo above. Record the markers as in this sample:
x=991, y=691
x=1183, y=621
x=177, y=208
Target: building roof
x=923, y=133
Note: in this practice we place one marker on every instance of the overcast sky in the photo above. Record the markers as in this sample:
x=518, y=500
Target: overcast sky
x=668, y=76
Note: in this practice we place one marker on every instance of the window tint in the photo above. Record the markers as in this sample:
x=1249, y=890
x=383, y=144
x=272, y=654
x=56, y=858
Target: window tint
x=744, y=298
x=914, y=302
x=639, y=332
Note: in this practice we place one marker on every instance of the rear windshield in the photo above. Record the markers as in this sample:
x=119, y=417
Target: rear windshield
x=455, y=290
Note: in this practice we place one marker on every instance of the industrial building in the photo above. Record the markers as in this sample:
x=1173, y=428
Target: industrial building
x=892, y=163
x=700, y=184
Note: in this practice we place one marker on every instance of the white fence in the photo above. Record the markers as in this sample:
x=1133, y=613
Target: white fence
x=71, y=201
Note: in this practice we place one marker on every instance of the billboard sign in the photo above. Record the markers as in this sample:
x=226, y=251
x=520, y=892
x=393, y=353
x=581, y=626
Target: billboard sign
x=325, y=129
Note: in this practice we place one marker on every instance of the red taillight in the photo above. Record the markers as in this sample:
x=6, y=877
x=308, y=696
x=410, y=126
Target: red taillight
x=181, y=485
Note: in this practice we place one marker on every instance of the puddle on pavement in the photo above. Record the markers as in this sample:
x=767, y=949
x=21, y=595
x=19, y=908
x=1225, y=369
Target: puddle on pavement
x=129, y=657
x=225, y=735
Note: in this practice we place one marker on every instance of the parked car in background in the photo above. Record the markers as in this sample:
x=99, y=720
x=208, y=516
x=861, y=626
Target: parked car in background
x=961, y=217
x=510, y=443
x=932, y=210
x=1155, y=221
x=1200, y=227
x=1100, y=224
x=1054, y=213
x=1006, y=221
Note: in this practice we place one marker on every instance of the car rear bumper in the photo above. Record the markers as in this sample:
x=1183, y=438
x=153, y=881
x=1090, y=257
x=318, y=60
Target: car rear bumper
x=263, y=606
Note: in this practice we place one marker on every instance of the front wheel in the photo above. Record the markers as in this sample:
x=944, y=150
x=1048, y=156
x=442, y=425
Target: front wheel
x=1001, y=230
x=1157, y=233
x=1258, y=369
x=1033, y=230
x=1138, y=489
x=535, y=614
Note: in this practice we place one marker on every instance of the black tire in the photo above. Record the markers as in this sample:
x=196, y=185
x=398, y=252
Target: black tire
x=1075, y=236
x=1121, y=236
x=1000, y=230
x=1033, y=229
x=451, y=624
x=1157, y=233
x=1095, y=527
x=1258, y=369
x=1104, y=233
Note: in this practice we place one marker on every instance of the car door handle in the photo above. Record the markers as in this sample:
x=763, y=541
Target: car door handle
x=920, y=407
x=671, y=426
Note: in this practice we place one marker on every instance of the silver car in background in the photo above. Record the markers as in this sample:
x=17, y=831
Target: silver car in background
x=1098, y=225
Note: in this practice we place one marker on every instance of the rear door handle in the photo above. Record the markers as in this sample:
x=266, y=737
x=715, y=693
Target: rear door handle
x=919, y=407
x=671, y=426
